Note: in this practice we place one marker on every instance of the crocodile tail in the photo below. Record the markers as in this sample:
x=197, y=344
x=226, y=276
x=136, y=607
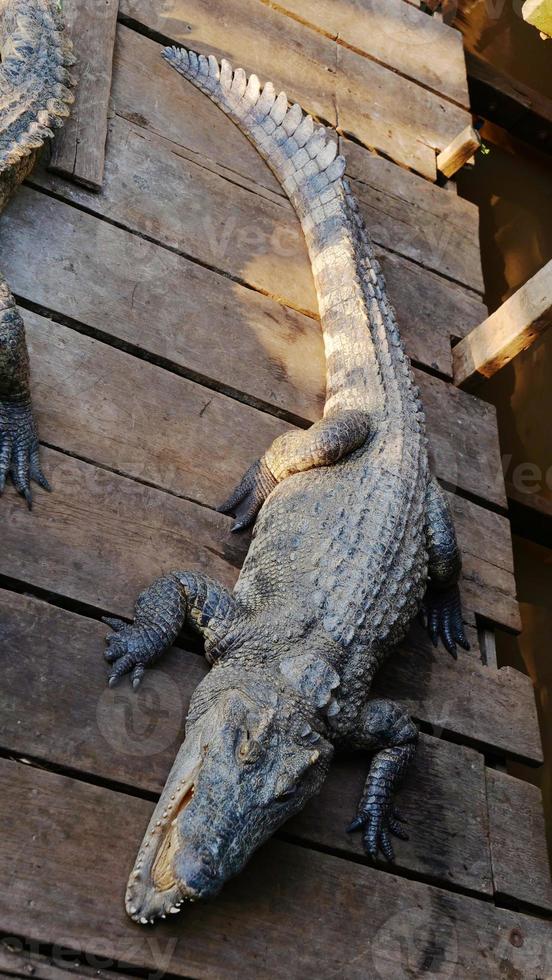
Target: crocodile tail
x=365, y=364
x=35, y=84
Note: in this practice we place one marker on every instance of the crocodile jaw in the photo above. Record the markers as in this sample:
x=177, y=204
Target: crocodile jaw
x=154, y=888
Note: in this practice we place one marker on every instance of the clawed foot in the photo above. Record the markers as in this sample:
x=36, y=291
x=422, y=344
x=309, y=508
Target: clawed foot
x=19, y=449
x=442, y=615
x=249, y=496
x=131, y=648
x=378, y=823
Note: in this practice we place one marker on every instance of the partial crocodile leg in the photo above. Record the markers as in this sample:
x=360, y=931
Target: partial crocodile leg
x=160, y=613
x=442, y=604
x=19, y=449
x=387, y=730
x=327, y=441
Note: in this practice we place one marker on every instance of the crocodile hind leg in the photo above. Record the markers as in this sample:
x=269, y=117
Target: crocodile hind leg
x=19, y=448
x=161, y=611
x=442, y=604
x=326, y=442
x=387, y=731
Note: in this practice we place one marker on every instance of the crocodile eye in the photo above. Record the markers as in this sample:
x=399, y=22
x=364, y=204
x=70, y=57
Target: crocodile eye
x=248, y=749
x=287, y=794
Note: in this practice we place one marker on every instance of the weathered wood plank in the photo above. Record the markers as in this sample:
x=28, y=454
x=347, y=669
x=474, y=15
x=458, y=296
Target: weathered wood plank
x=268, y=921
x=518, y=842
x=416, y=218
x=79, y=149
x=497, y=695
x=381, y=109
x=140, y=420
x=512, y=328
x=101, y=538
x=134, y=290
x=20, y=959
x=85, y=396
x=399, y=36
x=85, y=726
x=459, y=151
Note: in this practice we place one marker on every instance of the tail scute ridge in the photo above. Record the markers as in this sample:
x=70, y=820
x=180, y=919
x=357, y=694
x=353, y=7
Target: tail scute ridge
x=304, y=156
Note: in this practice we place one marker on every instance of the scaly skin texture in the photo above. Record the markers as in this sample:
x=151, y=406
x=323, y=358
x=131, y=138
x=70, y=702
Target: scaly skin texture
x=35, y=92
x=351, y=530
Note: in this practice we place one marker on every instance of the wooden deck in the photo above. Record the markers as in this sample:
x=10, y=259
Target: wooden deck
x=173, y=333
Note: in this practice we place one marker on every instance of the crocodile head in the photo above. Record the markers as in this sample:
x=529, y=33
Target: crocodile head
x=249, y=761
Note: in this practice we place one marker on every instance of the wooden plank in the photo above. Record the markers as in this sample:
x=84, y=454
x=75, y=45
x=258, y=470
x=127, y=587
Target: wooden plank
x=85, y=396
x=512, y=328
x=140, y=420
x=416, y=218
x=84, y=727
x=267, y=921
x=136, y=291
x=79, y=149
x=459, y=151
x=120, y=535
x=402, y=37
x=18, y=960
x=518, y=843
x=381, y=109
x=497, y=694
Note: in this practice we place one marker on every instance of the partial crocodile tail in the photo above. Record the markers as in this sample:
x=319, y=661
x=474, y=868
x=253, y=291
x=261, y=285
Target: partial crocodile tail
x=366, y=366
x=35, y=84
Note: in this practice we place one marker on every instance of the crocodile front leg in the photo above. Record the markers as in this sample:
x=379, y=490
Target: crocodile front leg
x=160, y=612
x=442, y=604
x=19, y=448
x=387, y=731
x=327, y=441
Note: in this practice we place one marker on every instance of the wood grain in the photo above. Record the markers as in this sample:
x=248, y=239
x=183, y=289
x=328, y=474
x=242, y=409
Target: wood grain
x=510, y=329
x=131, y=289
x=399, y=36
x=118, y=735
x=381, y=109
x=416, y=218
x=518, y=841
x=459, y=151
x=79, y=149
x=67, y=878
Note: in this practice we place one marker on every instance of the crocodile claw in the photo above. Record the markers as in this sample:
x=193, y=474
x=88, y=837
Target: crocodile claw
x=130, y=649
x=19, y=449
x=377, y=825
x=443, y=615
x=249, y=496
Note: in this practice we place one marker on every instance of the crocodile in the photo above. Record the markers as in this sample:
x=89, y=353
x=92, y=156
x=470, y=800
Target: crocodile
x=352, y=540
x=35, y=94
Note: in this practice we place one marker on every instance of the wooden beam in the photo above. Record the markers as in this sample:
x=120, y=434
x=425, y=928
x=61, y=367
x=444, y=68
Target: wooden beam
x=459, y=152
x=79, y=149
x=509, y=330
x=539, y=14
